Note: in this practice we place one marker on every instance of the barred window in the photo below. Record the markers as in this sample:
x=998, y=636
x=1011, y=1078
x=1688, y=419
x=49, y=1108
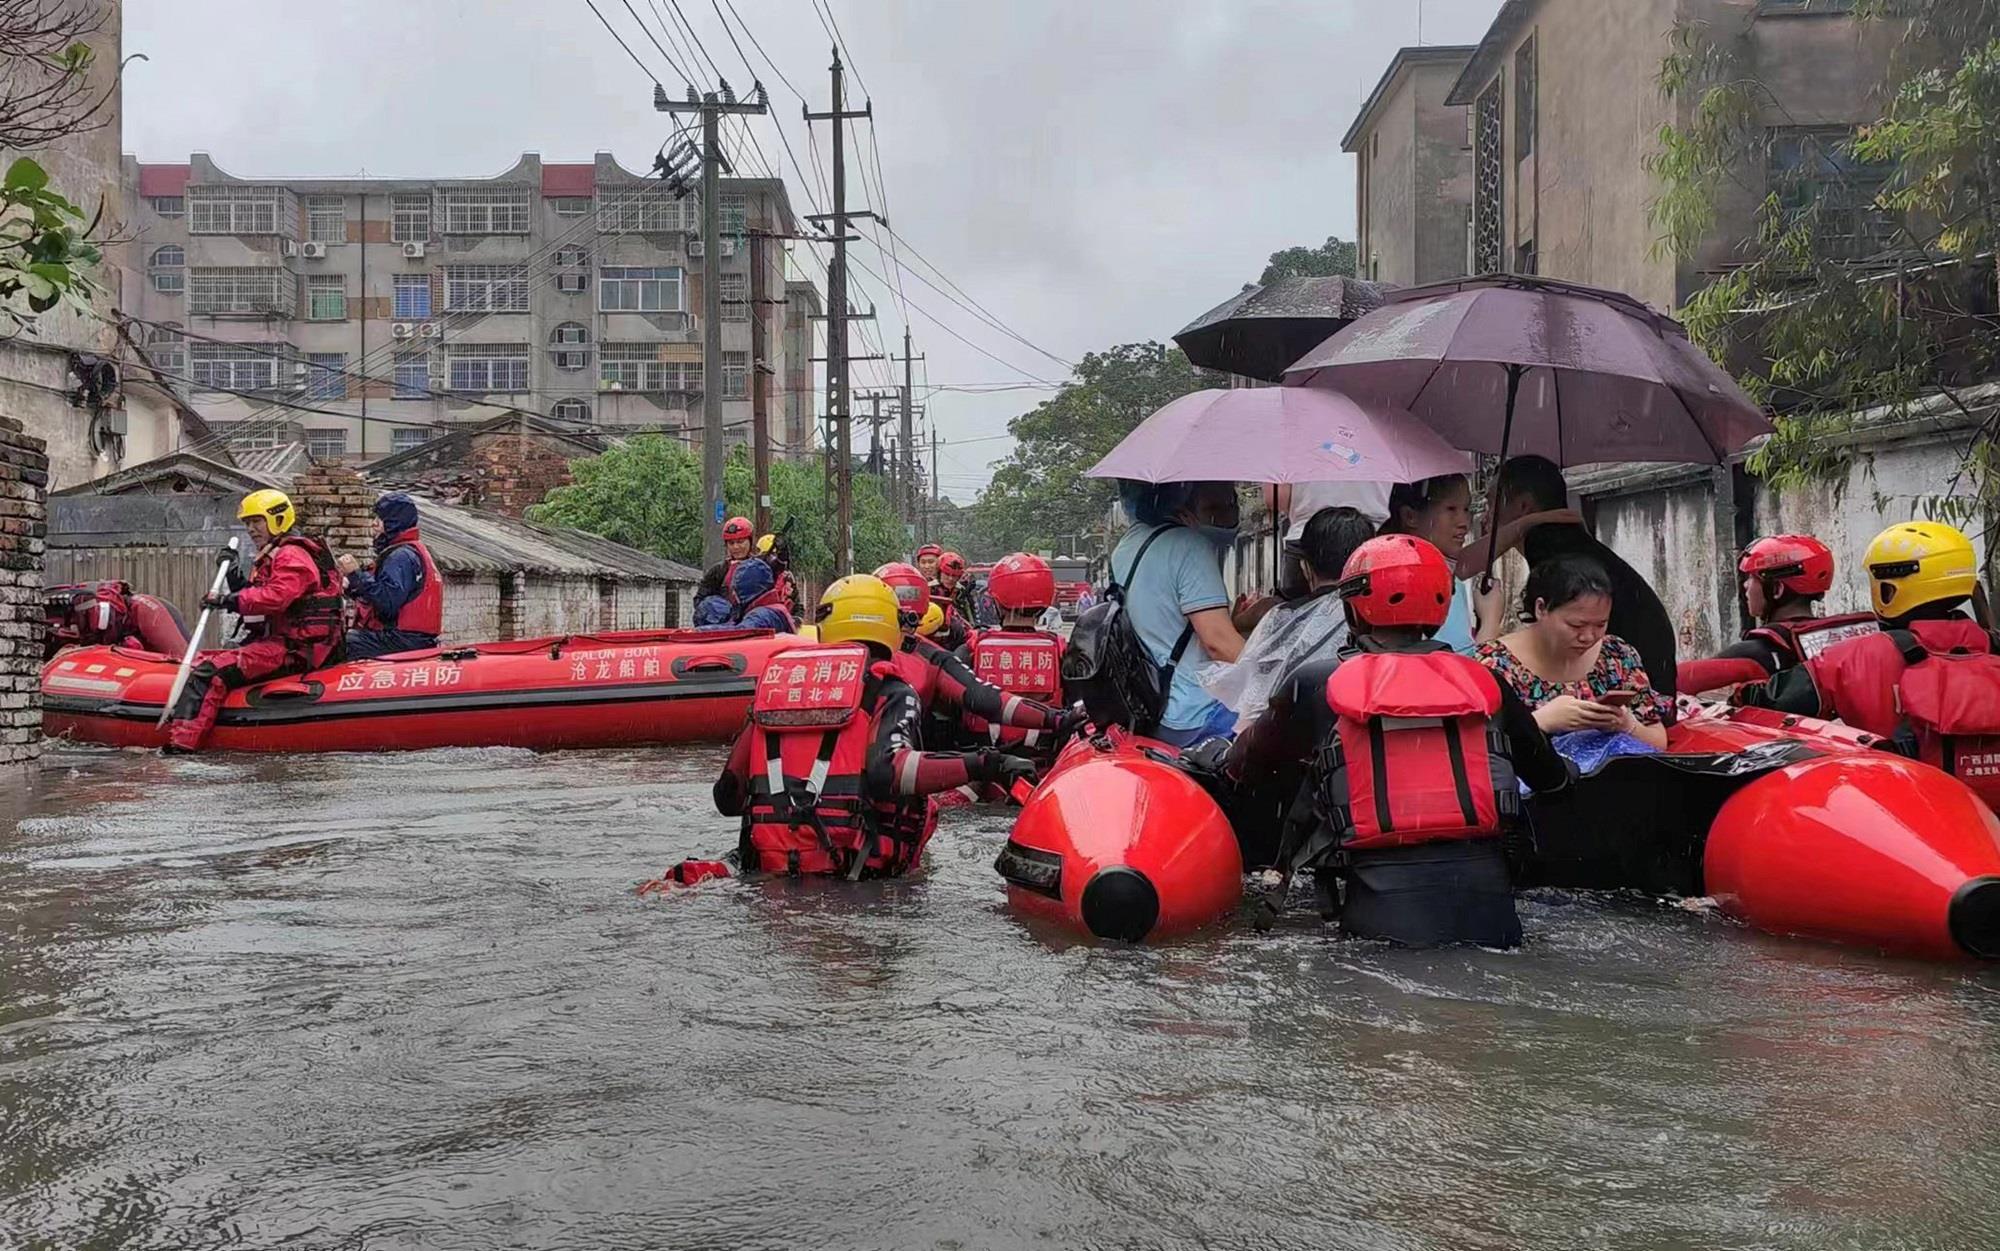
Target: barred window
x=571, y=342
x=650, y=209
x=166, y=269
x=735, y=375
x=633, y=367
x=486, y=288
x=326, y=376
x=413, y=376
x=167, y=348
x=233, y=210
x=408, y=438
x=169, y=205
x=570, y=205
x=735, y=297
x=413, y=297
x=410, y=218
x=636, y=289
x=259, y=289
x=326, y=297
x=735, y=214
x=324, y=443
x=486, y=210
x=326, y=219
x=227, y=367
x=571, y=410
x=489, y=367
x=262, y=439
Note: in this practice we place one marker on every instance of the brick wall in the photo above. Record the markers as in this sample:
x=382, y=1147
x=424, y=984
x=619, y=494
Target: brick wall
x=337, y=506
x=512, y=472
x=24, y=480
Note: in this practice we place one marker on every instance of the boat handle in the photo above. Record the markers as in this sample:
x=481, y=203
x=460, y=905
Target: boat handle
x=713, y=663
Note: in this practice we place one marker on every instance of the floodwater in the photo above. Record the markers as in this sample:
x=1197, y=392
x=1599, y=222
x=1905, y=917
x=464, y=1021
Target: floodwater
x=412, y=1001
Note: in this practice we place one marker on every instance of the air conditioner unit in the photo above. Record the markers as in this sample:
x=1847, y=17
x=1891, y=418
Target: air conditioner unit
x=729, y=245
x=414, y=250
x=402, y=329
x=694, y=247
x=572, y=283
x=313, y=251
x=288, y=247
x=427, y=330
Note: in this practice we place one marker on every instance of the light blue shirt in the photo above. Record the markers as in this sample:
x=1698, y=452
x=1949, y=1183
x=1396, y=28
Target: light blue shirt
x=1459, y=625
x=1182, y=574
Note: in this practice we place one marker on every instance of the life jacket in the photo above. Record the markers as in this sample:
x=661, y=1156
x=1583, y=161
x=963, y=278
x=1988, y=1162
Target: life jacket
x=1416, y=754
x=1024, y=663
x=1803, y=638
x=812, y=725
x=424, y=614
x=1933, y=689
x=319, y=617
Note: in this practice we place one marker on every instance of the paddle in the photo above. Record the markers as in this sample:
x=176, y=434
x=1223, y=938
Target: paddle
x=222, y=568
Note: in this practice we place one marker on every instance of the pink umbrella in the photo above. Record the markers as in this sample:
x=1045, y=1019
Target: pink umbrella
x=1506, y=364
x=1279, y=434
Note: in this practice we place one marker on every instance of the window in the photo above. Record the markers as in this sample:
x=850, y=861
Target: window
x=1487, y=185
x=169, y=205
x=166, y=348
x=651, y=208
x=486, y=210
x=233, y=210
x=261, y=289
x=571, y=410
x=572, y=270
x=321, y=444
x=625, y=288
x=1525, y=88
x=486, y=288
x=735, y=375
x=633, y=367
x=413, y=297
x=571, y=342
x=227, y=367
x=736, y=297
x=1815, y=175
x=407, y=438
x=165, y=269
x=572, y=258
x=570, y=205
x=489, y=367
x=1526, y=259
x=572, y=284
x=412, y=377
x=326, y=298
x=326, y=376
x=735, y=214
x=326, y=219
x=260, y=440
x=410, y=218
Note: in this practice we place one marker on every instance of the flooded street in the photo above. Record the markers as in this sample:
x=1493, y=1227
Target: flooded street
x=412, y=1001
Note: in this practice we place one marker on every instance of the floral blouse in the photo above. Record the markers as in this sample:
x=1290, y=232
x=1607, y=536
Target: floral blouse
x=1617, y=668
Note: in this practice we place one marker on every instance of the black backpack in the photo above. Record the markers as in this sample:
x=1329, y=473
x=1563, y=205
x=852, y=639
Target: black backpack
x=1106, y=664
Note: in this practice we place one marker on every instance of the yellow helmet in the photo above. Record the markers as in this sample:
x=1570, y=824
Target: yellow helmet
x=766, y=543
x=1918, y=563
x=933, y=621
x=859, y=608
x=275, y=507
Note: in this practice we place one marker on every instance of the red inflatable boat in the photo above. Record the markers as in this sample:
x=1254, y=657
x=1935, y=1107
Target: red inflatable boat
x=1793, y=826
x=579, y=690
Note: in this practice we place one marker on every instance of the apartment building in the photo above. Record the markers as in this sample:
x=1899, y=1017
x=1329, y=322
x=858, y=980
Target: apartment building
x=366, y=316
x=1413, y=171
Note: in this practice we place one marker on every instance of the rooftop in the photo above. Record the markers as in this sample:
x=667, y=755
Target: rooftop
x=1399, y=64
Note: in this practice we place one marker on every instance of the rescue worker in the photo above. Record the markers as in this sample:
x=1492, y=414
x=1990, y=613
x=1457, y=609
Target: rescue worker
x=759, y=599
x=1407, y=755
x=927, y=561
x=111, y=614
x=1019, y=657
x=291, y=606
x=1929, y=679
x=775, y=550
x=399, y=605
x=1784, y=578
x=945, y=587
x=736, y=536
x=942, y=681
x=828, y=776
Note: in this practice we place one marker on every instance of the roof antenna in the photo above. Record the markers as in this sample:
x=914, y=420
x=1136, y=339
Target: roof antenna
x=1420, y=23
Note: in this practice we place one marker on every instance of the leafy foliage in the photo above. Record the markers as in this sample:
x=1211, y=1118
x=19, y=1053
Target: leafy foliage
x=45, y=251
x=1334, y=258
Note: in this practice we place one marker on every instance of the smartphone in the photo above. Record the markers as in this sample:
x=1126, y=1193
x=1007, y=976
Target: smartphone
x=1618, y=699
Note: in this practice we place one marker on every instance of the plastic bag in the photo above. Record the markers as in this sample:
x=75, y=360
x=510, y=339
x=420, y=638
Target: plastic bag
x=1286, y=637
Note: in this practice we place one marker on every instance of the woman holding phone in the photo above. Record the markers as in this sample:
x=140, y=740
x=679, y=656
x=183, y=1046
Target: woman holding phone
x=1567, y=666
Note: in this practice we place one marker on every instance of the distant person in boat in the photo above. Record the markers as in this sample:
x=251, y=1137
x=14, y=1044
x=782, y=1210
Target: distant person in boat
x=111, y=614
x=1021, y=656
x=944, y=683
x=1565, y=663
x=1403, y=757
x=1929, y=679
x=926, y=561
x=1169, y=566
x=291, y=606
x=399, y=604
x=736, y=536
x=949, y=591
x=714, y=612
x=828, y=777
x=775, y=550
x=1531, y=509
x=1299, y=502
x=1784, y=578
x=1439, y=511
x=758, y=599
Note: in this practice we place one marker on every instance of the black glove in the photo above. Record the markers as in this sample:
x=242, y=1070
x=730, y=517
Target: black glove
x=1074, y=720
x=233, y=575
x=1000, y=768
x=225, y=602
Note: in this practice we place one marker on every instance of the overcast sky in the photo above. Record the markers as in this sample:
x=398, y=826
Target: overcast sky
x=1092, y=172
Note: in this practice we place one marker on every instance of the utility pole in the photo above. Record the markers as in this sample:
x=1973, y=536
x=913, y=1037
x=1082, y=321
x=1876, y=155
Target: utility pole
x=874, y=399
x=839, y=410
x=932, y=510
x=906, y=504
x=760, y=392
x=712, y=106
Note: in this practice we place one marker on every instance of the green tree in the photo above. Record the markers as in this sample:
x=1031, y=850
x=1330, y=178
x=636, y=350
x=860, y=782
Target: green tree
x=1334, y=258
x=45, y=250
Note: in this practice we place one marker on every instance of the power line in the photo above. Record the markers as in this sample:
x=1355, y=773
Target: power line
x=621, y=40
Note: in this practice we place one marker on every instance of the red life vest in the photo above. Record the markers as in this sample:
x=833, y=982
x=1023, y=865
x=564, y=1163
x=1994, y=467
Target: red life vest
x=1934, y=688
x=319, y=617
x=1416, y=755
x=1025, y=664
x=1803, y=638
x=812, y=726
x=424, y=614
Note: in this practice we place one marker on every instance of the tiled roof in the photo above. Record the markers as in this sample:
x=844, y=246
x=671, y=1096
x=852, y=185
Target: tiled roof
x=163, y=179
x=569, y=179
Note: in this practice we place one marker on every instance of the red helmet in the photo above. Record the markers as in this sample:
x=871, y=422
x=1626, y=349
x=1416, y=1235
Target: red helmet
x=952, y=563
x=736, y=530
x=1397, y=580
x=1798, y=563
x=1022, y=583
x=913, y=593
x=929, y=549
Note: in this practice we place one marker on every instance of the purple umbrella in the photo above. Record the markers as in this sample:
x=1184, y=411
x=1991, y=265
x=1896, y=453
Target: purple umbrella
x=1506, y=365
x=1279, y=434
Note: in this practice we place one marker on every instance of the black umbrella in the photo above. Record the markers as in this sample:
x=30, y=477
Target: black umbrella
x=1260, y=331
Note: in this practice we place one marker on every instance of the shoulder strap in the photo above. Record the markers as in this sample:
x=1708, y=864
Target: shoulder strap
x=1906, y=643
x=1116, y=586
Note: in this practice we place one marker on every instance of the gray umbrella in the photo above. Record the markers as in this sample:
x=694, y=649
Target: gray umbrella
x=1260, y=331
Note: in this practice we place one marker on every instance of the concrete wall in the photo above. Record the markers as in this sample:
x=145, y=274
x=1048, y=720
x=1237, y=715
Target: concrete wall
x=1413, y=165
x=1387, y=185
x=1442, y=171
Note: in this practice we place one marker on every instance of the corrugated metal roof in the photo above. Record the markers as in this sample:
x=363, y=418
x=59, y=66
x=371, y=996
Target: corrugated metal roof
x=472, y=540
x=278, y=464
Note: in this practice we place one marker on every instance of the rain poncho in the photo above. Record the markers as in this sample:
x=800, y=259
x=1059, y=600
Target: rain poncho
x=1287, y=636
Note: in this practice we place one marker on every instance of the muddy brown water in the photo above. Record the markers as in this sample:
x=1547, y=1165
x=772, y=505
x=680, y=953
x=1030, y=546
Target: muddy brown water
x=412, y=1001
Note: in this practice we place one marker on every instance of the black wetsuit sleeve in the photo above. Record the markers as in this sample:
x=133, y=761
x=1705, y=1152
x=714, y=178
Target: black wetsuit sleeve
x=711, y=582
x=1285, y=734
x=1759, y=650
x=1790, y=691
x=1536, y=760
